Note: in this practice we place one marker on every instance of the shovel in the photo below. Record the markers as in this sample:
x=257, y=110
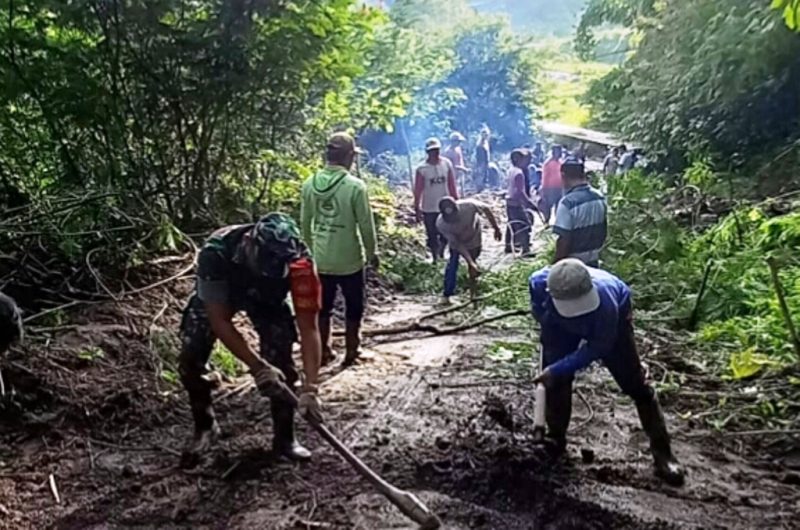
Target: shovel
x=539, y=404
x=409, y=504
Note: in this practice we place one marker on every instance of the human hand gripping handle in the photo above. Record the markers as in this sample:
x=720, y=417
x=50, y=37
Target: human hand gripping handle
x=545, y=378
x=269, y=379
x=309, y=404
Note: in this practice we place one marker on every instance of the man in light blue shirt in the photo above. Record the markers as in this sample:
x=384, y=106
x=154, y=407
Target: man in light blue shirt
x=581, y=217
x=585, y=316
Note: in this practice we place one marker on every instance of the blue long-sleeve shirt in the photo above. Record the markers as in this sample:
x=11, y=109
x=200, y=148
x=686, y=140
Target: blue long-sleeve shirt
x=599, y=328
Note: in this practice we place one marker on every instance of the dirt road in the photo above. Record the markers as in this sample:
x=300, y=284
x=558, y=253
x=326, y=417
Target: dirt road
x=435, y=415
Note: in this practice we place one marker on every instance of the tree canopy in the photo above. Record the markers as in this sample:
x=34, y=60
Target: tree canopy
x=683, y=98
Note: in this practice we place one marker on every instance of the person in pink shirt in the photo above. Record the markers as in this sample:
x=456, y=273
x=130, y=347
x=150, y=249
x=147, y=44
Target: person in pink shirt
x=518, y=204
x=552, y=188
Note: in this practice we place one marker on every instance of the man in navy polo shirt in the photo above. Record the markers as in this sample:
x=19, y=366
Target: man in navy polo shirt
x=581, y=217
x=585, y=316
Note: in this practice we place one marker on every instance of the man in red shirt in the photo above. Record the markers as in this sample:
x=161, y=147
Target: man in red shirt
x=552, y=187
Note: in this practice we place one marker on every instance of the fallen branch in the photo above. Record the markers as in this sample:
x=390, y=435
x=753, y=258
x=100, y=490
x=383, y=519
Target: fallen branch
x=787, y=316
x=431, y=314
x=693, y=318
x=436, y=330
x=453, y=308
x=763, y=432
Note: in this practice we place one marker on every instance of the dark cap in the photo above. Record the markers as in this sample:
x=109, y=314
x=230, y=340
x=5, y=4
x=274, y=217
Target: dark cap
x=520, y=152
x=448, y=206
x=341, y=142
x=572, y=162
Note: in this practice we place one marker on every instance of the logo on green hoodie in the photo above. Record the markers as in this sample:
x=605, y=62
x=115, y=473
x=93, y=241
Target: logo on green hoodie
x=328, y=207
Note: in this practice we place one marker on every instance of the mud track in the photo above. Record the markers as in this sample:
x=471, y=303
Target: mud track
x=433, y=415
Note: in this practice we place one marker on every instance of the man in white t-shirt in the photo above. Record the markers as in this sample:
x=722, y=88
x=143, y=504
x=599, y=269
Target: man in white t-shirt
x=434, y=180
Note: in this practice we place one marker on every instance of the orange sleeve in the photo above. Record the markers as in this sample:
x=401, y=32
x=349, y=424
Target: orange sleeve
x=305, y=286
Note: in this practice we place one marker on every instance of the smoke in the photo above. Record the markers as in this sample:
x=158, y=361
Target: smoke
x=490, y=85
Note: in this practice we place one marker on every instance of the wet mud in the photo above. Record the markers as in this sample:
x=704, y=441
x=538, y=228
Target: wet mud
x=434, y=416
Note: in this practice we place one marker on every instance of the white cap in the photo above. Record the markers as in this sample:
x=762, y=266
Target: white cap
x=456, y=136
x=570, y=286
x=432, y=143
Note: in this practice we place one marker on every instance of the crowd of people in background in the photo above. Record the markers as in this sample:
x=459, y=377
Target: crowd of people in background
x=584, y=312
x=549, y=183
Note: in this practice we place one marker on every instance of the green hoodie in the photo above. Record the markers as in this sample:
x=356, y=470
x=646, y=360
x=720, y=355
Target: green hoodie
x=333, y=211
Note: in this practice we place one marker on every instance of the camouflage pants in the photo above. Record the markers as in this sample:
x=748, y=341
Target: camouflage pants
x=276, y=332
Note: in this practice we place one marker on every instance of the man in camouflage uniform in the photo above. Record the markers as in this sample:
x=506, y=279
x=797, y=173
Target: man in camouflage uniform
x=10, y=322
x=252, y=268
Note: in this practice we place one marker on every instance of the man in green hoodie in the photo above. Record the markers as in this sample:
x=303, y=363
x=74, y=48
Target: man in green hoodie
x=339, y=229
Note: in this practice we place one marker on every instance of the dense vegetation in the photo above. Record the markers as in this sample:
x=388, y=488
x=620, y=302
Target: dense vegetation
x=702, y=82
x=468, y=73
x=126, y=124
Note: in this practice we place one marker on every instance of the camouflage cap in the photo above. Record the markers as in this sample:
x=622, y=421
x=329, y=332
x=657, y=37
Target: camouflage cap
x=278, y=243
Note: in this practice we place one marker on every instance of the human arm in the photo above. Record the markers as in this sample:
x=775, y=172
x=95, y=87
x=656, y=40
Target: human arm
x=563, y=245
x=419, y=187
x=600, y=343
x=451, y=181
x=220, y=317
x=563, y=229
x=537, y=288
x=459, y=162
x=519, y=191
x=366, y=222
x=306, y=216
x=310, y=347
x=213, y=290
x=486, y=210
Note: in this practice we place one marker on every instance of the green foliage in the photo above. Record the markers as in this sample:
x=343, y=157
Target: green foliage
x=601, y=12
x=517, y=274
x=458, y=75
x=701, y=175
x=562, y=83
x=791, y=12
x=741, y=327
x=224, y=361
x=510, y=351
x=706, y=79
x=179, y=113
x=91, y=354
x=496, y=77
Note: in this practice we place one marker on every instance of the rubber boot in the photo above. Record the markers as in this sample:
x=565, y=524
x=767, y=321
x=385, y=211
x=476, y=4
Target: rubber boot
x=328, y=355
x=352, y=341
x=283, y=442
x=666, y=465
x=558, y=412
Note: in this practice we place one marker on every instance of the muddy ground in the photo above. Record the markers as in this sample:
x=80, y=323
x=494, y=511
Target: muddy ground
x=434, y=415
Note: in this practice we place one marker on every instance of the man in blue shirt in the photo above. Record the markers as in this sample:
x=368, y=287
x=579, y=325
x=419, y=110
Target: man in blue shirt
x=585, y=316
